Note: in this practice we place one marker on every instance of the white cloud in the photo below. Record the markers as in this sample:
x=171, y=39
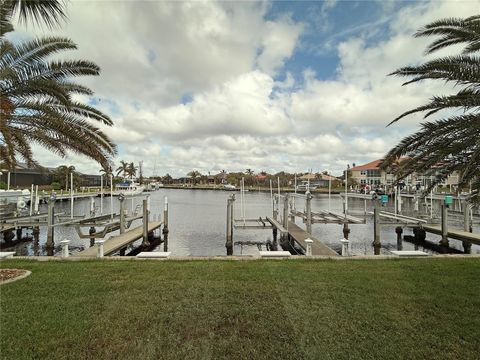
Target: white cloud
x=222, y=57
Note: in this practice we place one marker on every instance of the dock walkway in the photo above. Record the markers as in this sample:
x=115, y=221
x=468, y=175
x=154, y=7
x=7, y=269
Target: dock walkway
x=300, y=235
x=454, y=234
x=116, y=243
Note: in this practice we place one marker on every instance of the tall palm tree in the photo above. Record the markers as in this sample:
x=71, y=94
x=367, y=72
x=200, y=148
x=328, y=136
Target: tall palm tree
x=36, y=94
x=122, y=169
x=452, y=142
x=131, y=170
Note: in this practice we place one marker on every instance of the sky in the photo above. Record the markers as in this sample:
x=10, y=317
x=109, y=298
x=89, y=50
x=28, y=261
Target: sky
x=269, y=85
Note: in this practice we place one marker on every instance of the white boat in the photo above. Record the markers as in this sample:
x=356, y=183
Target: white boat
x=153, y=186
x=229, y=187
x=13, y=201
x=128, y=188
x=305, y=187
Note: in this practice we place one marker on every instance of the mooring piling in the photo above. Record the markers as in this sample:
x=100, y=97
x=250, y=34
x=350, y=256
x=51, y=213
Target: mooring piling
x=101, y=194
x=165, y=226
x=376, y=229
x=346, y=230
x=467, y=223
x=71, y=195
x=19, y=233
x=229, y=242
x=285, y=211
x=444, y=241
x=50, y=220
x=308, y=210
x=399, y=232
x=145, y=241
x=122, y=213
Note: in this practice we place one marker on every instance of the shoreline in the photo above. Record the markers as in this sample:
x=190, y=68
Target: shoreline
x=250, y=189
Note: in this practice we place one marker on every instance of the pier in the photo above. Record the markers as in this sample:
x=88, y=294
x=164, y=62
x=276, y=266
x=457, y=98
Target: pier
x=117, y=243
x=92, y=226
x=293, y=238
x=300, y=236
x=456, y=234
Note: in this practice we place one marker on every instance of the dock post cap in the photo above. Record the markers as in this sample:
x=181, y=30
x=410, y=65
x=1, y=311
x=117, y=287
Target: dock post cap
x=345, y=247
x=64, y=244
x=99, y=244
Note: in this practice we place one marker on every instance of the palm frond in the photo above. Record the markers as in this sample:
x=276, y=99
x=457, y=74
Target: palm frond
x=50, y=12
x=453, y=31
x=466, y=99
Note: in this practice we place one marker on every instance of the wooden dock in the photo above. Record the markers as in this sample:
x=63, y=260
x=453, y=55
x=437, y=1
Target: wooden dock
x=456, y=234
x=300, y=235
x=119, y=242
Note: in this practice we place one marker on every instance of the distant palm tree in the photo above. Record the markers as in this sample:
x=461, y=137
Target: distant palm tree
x=452, y=142
x=249, y=179
x=62, y=174
x=36, y=93
x=122, y=169
x=132, y=170
x=194, y=174
x=167, y=179
x=107, y=171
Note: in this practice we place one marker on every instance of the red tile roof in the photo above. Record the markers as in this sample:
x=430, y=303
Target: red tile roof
x=373, y=165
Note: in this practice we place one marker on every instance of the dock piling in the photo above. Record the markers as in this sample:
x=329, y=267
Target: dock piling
x=165, y=226
x=50, y=221
x=122, y=213
x=19, y=233
x=229, y=242
x=285, y=211
x=467, y=224
x=444, y=241
x=308, y=204
x=399, y=232
x=376, y=229
x=92, y=231
x=346, y=230
x=145, y=241
x=275, y=241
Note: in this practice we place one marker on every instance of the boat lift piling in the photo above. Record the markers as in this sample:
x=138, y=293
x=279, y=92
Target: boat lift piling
x=165, y=226
x=145, y=241
x=229, y=242
x=50, y=220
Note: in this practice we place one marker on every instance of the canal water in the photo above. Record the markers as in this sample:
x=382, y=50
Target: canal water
x=197, y=223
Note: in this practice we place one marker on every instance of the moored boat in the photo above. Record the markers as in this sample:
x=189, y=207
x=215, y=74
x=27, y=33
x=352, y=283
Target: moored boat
x=128, y=188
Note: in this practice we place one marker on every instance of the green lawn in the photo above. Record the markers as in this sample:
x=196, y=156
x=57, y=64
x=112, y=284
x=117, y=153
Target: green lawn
x=302, y=309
